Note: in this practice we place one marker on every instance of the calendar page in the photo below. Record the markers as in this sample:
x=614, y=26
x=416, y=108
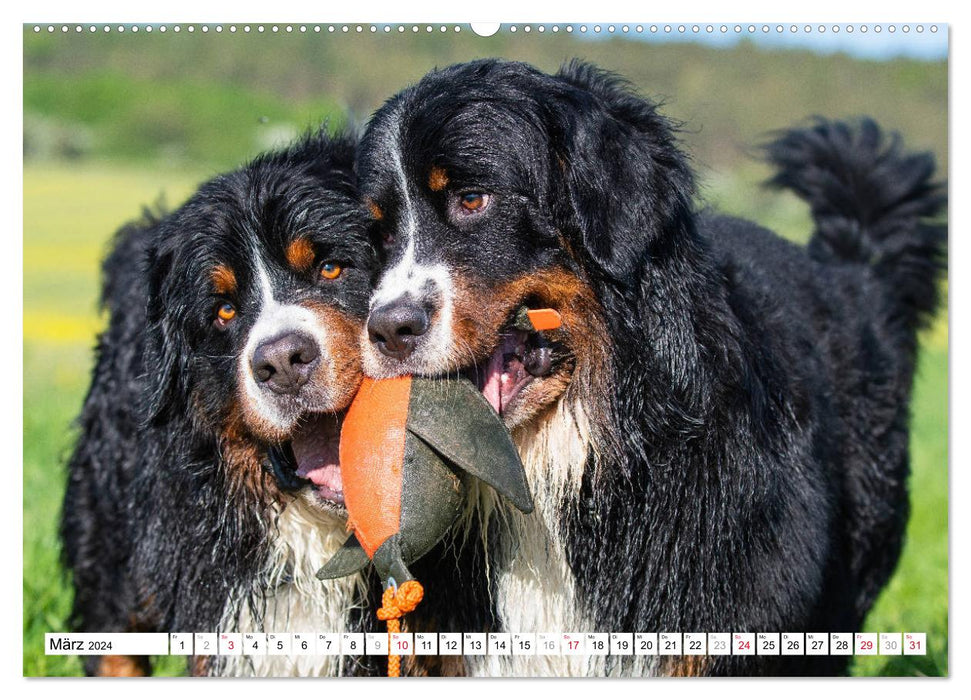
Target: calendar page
x=583, y=349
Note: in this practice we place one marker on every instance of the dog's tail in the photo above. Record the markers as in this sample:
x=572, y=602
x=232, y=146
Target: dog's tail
x=872, y=203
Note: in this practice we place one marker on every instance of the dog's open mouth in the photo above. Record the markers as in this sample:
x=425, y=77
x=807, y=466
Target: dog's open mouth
x=312, y=458
x=521, y=357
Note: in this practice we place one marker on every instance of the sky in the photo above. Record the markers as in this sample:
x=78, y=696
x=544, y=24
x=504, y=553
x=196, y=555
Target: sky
x=876, y=42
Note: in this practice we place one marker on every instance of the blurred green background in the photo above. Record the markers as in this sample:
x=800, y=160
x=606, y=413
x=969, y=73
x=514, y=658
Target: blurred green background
x=113, y=122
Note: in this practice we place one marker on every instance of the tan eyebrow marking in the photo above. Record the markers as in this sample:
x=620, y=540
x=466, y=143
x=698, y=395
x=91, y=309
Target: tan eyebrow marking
x=437, y=179
x=300, y=254
x=375, y=210
x=223, y=280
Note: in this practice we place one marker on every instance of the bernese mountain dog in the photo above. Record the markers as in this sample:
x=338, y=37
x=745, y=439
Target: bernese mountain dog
x=204, y=490
x=716, y=438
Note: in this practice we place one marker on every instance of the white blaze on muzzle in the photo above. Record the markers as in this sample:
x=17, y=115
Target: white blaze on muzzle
x=276, y=320
x=411, y=280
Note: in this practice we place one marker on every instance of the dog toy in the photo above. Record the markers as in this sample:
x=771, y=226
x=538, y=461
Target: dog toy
x=404, y=446
x=407, y=446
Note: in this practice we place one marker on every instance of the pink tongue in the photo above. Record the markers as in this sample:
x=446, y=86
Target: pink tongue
x=492, y=389
x=316, y=447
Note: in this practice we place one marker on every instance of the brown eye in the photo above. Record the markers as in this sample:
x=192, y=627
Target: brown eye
x=330, y=270
x=225, y=314
x=474, y=202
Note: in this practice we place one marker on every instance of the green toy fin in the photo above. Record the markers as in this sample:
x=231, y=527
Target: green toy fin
x=389, y=561
x=350, y=558
x=477, y=443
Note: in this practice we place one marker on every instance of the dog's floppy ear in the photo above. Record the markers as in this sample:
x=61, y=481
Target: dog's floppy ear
x=620, y=181
x=165, y=350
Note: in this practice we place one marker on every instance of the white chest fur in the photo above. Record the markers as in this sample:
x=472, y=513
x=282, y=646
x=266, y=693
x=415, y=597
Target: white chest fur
x=303, y=539
x=536, y=591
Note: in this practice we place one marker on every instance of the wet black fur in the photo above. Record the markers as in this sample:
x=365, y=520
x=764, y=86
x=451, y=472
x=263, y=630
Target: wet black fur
x=157, y=534
x=753, y=454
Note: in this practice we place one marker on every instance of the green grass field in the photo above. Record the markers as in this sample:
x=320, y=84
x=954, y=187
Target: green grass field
x=69, y=213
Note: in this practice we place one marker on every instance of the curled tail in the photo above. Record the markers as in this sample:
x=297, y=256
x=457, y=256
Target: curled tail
x=872, y=203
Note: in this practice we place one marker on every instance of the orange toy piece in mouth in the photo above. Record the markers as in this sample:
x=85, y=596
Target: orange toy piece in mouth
x=373, y=443
x=544, y=319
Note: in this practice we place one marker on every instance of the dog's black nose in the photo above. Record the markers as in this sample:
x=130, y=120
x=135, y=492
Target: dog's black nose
x=284, y=364
x=395, y=328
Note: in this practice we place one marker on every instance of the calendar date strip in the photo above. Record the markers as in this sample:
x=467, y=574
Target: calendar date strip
x=488, y=644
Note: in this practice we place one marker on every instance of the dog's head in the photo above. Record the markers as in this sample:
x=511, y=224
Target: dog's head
x=495, y=186
x=258, y=292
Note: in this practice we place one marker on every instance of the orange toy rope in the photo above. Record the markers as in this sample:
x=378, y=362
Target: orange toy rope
x=394, y=604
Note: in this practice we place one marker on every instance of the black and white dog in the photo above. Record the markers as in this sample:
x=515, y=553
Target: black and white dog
x=717, y=436
x=205, y=489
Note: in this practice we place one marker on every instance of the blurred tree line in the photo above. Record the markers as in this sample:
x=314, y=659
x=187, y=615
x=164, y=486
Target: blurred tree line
x=217, y=98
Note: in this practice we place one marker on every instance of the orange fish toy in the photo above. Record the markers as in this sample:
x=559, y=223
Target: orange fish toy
x=407, y=447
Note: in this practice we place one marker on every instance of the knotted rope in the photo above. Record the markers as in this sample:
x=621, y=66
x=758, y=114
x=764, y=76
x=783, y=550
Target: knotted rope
x=395, y=602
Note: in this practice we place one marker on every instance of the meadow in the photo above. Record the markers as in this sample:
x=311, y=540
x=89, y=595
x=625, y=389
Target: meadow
x=113, y=123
